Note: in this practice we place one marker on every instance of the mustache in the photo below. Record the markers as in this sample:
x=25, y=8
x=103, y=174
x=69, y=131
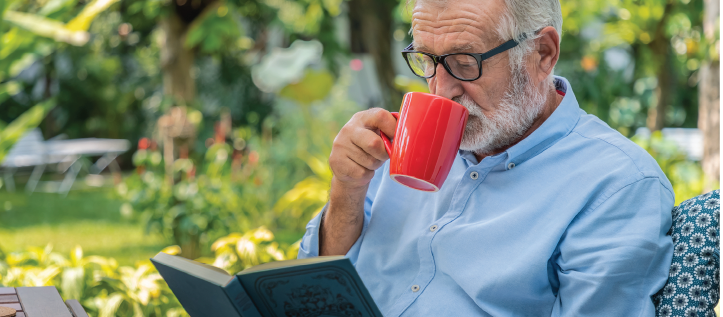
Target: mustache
x=466, y=101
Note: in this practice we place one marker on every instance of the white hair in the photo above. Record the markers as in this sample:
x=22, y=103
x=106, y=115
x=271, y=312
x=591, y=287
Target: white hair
x=521, y=19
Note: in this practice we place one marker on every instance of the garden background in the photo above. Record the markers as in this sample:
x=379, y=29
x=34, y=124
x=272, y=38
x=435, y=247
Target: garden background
x=232, y=106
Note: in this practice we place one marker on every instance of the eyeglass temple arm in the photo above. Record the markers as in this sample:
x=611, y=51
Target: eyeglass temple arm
x=499, y=49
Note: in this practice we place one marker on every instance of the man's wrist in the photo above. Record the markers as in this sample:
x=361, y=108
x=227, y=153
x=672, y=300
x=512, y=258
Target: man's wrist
x=348, y=189
x=346, y=202
x=341, y=221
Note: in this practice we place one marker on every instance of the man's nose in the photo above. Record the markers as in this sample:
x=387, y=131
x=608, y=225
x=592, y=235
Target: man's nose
x=443, y=84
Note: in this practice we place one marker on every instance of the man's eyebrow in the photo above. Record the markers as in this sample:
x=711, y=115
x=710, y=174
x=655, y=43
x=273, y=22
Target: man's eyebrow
x=459, y=48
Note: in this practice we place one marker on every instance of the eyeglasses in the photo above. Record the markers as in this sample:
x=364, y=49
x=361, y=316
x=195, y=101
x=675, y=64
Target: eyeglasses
x=463, y=66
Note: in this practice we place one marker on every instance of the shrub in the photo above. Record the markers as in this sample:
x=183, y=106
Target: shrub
x=108, y=290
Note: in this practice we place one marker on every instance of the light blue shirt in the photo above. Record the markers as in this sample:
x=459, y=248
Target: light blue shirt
x=571, y=221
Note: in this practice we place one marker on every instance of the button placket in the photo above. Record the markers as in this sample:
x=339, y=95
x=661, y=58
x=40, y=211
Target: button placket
x=427, y=267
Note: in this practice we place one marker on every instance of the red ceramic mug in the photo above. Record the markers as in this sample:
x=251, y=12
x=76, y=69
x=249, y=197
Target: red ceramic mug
x=426, y=141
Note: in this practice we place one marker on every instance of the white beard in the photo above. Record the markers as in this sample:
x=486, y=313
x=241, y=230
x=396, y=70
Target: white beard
x=517, y=111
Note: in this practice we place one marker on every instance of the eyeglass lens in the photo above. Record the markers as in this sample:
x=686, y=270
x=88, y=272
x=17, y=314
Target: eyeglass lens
x=422, y=65
x=461, y=65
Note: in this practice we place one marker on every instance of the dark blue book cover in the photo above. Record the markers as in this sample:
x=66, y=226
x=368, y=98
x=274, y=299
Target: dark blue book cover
x=204, y=290
x=323, y=286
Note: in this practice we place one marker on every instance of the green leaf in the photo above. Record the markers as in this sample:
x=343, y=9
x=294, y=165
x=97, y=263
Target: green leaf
x=73, y=280
x=315, y=85
x=54, y=6
x=45, y=27
x=82, y=21
x=110, y=308
x=27, y=121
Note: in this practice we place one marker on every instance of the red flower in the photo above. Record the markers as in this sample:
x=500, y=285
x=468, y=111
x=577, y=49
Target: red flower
x=254, y=157
x=143, y=143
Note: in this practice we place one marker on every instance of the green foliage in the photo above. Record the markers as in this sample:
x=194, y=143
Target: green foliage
x=111, y=86
x=188, y=209
x=106, y=289
x=686, y=176
x=215, y=28
x=26, y=122
x=237, y=252
x=21, y=47
x=278, y=178
x=271, y=170
x=315, y=85
x=617, y=52
x=103, y=288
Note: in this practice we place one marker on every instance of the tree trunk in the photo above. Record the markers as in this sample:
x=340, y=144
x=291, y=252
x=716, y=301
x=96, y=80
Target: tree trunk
x=177, y=64
x=709, y=100
x=190, y=243
x=176, y=60
x=665, y=90
x=663, y=59
x=371, y=32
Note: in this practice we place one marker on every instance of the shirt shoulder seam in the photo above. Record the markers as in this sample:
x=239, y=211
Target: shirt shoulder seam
x=627, y=182
x=631, y=160
x=613, y=145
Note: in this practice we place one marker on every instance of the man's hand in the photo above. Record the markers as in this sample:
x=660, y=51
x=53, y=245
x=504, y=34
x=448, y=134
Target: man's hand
x=357, y=152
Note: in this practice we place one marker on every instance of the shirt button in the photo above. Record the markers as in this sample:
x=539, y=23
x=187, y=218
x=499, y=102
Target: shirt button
x=511, y=166
x=433, y=228
x=415, y=288
x=473, y=175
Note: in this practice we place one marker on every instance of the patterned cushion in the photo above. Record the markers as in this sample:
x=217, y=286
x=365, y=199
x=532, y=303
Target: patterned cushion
x=692, y=287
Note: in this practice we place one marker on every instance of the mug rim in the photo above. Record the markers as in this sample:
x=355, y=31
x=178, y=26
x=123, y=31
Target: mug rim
x=394, y=178
x=454, y=103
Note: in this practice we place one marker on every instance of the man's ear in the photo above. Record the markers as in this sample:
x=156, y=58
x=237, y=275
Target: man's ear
x=548, y=50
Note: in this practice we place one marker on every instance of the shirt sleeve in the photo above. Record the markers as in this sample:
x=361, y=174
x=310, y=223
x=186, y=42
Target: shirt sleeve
x=309, y=246
x=616, y=254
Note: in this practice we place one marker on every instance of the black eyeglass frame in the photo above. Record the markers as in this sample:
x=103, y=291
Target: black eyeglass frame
x=442, y=59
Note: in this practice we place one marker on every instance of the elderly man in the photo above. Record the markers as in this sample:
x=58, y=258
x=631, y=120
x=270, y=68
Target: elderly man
x=547, y=211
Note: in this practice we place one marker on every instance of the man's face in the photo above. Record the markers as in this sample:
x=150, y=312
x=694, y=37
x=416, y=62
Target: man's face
x=502, y=103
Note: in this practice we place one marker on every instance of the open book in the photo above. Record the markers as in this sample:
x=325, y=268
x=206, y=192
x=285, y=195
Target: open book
x=323, y=286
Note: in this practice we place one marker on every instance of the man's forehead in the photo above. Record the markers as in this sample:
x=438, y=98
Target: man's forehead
x=456, y=48
x=453, y=26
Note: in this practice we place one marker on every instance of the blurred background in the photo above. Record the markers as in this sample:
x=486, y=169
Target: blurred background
x=203, y=127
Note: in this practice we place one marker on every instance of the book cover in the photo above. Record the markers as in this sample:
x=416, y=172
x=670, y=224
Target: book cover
x=204, y=290
x=323, y=286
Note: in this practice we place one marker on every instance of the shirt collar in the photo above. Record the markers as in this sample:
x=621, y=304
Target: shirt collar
x=557, y=126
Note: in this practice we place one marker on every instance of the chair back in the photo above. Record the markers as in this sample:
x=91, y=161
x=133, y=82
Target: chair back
x=30, y=150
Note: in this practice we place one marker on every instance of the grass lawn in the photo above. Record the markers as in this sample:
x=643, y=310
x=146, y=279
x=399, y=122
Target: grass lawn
x=89, y=218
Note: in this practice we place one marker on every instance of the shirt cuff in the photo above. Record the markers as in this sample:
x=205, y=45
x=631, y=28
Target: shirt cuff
x=309, y=246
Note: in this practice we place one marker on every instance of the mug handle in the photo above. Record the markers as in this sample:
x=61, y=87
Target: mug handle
x=387, y=143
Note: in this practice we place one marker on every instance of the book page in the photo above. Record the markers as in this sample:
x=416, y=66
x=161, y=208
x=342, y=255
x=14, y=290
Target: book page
x=204, y=271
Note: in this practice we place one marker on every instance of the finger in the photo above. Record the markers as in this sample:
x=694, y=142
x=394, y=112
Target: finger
x=370, y=143
x=349, y=170
x=364, y=159
x=380, y=119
